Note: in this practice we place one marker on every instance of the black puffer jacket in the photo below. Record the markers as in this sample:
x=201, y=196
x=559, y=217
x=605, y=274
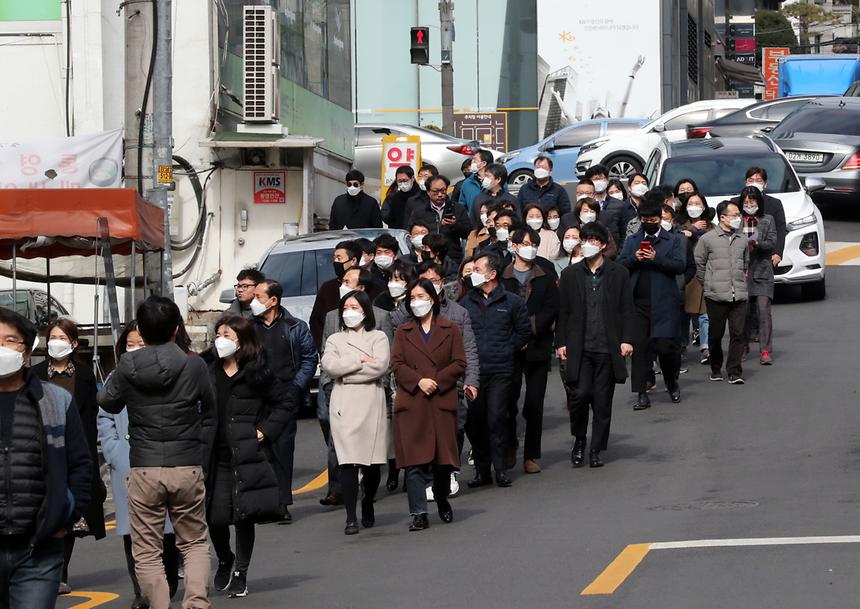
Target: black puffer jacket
x=171, y=406
x=256, y=401
x=541, y=296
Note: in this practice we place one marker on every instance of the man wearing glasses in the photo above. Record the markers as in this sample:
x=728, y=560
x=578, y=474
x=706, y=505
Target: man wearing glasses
x=444, y=217
x=246, y=281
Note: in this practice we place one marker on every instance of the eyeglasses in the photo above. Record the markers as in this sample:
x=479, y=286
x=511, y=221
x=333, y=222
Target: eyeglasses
x=437, y=191
x=240, y=287
x=11, y=343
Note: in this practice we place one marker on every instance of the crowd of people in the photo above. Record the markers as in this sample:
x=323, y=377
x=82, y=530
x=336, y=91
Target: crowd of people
x=418, y=351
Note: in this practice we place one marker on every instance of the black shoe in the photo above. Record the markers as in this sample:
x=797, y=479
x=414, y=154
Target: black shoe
x=286, y=517
x=351, y=528
x=419, y=522
x=736, y=380
x=223, y=574
x=642, y=402
x=368, y=515
x=594, y=459
x=391, y=485
x=754, y=338
x=238, y=585
x=652, y=381
x=502, y=479
x=446, y=514
x=139, y=603
x=674, y=394
x=717, y=376
x=577, y=455
x=331, y=500
x=480, y=480
x=393, y=476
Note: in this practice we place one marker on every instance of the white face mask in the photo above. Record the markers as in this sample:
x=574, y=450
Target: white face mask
x=527, y=252
x=353, y=190
x=502, y=234
x=587, y=216
x=617, y=195
x=420, y=308
x=600, y=185
x=351, y=318
x=484, y=219
x=396, y=289
x=384, y=261
x=418, y=241
x=478, y=279
x=666, y=225
x=11, y=362
x=132, y=349
x=757, y=185
x=405, y=186
x=695, y=211
x=735, y=223
x=570, y=245
x=225, y=347
x=748, y=209
x=364, y=262
x=344, y=289
x=59, y=349
x=541, y=173
x=576, y=259
x=534, y=223
x=554, y=223
x=474, y=167
x=421, y=185
x=589, y=249
x=581, y=197
x=639, y=190
x=487, y=182
x=257, y=308
x=438, y=287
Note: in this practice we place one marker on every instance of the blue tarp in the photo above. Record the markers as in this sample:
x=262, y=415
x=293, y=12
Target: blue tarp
x=817, y=74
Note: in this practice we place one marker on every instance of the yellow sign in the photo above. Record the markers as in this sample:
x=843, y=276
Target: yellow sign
x=165, y=174
x=398, y=151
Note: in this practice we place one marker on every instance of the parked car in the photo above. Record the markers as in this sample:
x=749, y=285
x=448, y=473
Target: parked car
x=760, y=117
x=563, y=148
x=626, y=154
x=718, y=166
x=822, y=141
x=853, y=90
x=33, y=304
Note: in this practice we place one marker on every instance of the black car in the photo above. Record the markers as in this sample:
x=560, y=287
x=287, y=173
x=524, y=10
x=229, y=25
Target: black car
x=750, y=120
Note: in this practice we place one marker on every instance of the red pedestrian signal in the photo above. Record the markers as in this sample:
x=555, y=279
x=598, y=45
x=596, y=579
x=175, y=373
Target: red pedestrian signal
x=419, y=47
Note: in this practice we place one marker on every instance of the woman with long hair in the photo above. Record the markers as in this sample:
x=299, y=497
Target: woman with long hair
x=536, y=218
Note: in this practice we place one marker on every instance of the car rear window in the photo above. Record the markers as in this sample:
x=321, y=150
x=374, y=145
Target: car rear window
x=300, y=273
x=842, y=121
x=725, y=175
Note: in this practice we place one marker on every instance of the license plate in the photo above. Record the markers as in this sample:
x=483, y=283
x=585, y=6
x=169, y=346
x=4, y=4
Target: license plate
x=805, y=157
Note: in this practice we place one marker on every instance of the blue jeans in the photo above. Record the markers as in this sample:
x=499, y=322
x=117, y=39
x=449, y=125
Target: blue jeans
x=704, y=325
x=30, y=577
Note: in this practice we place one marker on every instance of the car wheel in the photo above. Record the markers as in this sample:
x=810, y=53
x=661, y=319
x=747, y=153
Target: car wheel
x=520, y=177
x=623, y=167
x=814, y=291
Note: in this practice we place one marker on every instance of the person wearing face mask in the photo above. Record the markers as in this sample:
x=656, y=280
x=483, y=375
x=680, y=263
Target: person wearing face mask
x=346, y=255
x=47, y=468
x=62, y=369
x=571, y=250
x=493, y=190
x=503, y=224
x=616, y=190
x=401, y=190
x=593, y=337
x=685, y=186
x=472, y=186
x=355, y=208
x=654, y=258
x=535, y=218
x=357, y=359
x=481, y=233
x=722, y=261
x=465, y=281
x=543, y=189
x=291, y=354
x=500, y=321
x=698, y=221
x=669, y=224
x=466, y=170
x=418, y=231
x=437, y=251
x=420, y=199
x=537, y=284
x=443, y=216
x=386, y=249
x=242, y=488
x=427, y=358
x=587, y=210
x=246, y=281
x=771, y=206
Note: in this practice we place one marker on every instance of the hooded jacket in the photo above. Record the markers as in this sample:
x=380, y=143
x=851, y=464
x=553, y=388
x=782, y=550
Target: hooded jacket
x=171, y=406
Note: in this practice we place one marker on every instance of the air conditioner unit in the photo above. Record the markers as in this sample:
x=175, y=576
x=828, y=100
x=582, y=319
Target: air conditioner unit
x=261, y=49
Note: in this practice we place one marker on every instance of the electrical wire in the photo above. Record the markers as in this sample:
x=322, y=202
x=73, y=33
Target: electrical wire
x=181, y=245
x=68, y=67
x=142, y=120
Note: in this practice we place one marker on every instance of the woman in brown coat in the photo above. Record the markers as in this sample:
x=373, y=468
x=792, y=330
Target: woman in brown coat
x=427, y=358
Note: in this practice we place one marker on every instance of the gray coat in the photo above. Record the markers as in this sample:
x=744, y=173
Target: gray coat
x=332, y=326
x=760, y=276
x=722, y=260
x=236, y=309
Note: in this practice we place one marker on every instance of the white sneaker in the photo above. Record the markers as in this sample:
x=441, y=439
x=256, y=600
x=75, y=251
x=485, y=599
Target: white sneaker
x=429, y=492
x=455, y=486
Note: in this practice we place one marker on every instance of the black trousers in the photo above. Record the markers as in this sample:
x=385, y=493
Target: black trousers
x=487, y=423
x=220, y=516
x=595, y=390
x=735, y=313
x=170, y=558
x=535, y=374
x=644, y=347
x=371, y=475
x=283, y=448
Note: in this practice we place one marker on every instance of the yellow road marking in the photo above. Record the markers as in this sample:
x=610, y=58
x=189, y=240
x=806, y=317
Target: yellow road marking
x=110, y=525
x=618, y=570
x=314, y=485
x=94, y=599
x=842, y=255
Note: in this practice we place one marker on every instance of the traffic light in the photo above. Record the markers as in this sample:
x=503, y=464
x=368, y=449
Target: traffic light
x=419, y=45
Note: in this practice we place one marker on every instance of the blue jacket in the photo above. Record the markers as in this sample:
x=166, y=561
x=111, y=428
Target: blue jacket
x=303, y=350
x=469, y=189
x=665, y=296
x=550, y=195
x=501, y=326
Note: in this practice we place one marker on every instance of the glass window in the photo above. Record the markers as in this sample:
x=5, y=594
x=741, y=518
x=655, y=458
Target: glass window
x=725, y=175
x=371, y=136
x=613, y=128
x=721, y=112
x=577, y=136
x=777, y=112
x=689, y=118
x=286, y=269
x=292, y=41
x=814, y=119
x=760, y=112
x=315, y=46
x=651, y=167
x=309, y=276
x=339, y=47
x=325, y=270
x=22, y=302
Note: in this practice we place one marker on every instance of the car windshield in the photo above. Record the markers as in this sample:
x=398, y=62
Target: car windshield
x=300, y=273
x=839, y=121
x=724, y=175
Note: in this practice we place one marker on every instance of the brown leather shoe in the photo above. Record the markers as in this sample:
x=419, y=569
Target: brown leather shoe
x=531, y=466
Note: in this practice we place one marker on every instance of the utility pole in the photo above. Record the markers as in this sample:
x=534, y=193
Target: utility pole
x=446, y=18
x=162, y=133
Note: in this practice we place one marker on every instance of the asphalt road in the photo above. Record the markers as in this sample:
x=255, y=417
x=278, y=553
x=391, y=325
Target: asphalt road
x=776, y=458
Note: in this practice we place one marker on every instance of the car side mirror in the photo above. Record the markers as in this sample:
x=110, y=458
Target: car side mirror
x=227, y=296
x=814, y=184
x=659, y=128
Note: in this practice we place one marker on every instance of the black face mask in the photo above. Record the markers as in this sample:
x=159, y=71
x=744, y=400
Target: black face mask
x=467, y=281
x=339, y=271
x=650, y=229
x=466, y=174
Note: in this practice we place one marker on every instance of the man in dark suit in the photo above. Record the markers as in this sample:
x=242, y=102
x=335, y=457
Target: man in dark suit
x=654, y=258
x=443, y=216
x=593, y=336
x=355, y=208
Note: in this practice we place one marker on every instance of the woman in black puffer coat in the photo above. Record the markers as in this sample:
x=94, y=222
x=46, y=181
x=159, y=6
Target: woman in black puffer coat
x=241, y=486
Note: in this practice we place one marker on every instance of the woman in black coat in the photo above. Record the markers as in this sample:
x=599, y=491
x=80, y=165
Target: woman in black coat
x=62, y=369
x=241, y=486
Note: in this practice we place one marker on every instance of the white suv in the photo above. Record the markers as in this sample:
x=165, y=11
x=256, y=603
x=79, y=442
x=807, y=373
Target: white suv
x=625, y=154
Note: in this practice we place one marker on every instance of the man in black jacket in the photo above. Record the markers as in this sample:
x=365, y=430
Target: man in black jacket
x=171, y=410
x=443, y=216
x=355, y=208
x=394, y=206
x=46, y=469
x=501, y=324
x=536, y=284
x=593, y=336
x=543, y=189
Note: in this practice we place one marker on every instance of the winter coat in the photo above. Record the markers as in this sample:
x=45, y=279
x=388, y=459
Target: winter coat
x=394, y=207
x=722, y=260
x=357, y=408
x=503, y=196
x=501, y=325
x=452, y=232
x=360, y=211
x=236, y=308
x=694, y=293
x=541, y=296
x=425, y=427
x=469, y=189
x=300, y=343
x=171, y=405
x=550, y=245
x=549, y=195
x=760, y=275
x=774, y=208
